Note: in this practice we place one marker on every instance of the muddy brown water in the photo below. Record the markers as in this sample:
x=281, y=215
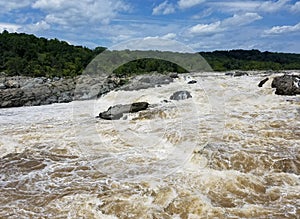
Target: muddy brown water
x=231, y=151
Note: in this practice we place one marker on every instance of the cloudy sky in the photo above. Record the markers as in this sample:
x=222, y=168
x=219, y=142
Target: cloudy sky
x=203, y=25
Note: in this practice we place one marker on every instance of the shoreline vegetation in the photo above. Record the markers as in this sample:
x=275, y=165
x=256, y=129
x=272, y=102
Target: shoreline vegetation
x=27, y=55
x=36, y=71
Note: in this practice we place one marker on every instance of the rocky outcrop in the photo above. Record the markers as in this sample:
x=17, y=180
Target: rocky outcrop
x=236, y=74
x=286, y=85
x=181, y=95
x=240, y=73
x=26, y=91
x=116, y=112
x=147, y=81
x=261, y=83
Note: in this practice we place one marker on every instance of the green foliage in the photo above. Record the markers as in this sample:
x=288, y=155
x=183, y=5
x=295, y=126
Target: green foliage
x=23, y=54
x=146, y=65
x=251, y=60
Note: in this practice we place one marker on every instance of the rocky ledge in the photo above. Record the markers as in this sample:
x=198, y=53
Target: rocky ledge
x=287, y=85
x=25, y=91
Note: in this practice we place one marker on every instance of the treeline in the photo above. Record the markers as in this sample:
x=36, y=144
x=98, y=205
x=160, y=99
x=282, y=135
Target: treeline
x=28, y=55
x=147, y=65
x=251, y=60
x=24, y=54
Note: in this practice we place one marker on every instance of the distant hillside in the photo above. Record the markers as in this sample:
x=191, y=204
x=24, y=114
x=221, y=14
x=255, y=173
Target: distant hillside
x=23, y=54
x=28, y=55
x=251, y=60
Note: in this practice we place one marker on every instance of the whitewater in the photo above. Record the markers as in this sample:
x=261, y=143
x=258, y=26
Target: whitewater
x=230, y=151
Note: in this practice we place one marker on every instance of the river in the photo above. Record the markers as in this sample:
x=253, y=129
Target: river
x=230, y=151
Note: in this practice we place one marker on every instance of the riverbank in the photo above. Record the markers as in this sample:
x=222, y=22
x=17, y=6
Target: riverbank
x=26, y=91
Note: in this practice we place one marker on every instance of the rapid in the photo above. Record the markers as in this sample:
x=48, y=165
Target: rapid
x=230, y=151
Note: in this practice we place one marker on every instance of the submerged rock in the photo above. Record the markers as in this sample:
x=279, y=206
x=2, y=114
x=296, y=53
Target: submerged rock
x=287, y=85
x=181, y=95
x=147, y=81
x=263, y=82
x=240, y=73
x=192, y=82
x=116, y=112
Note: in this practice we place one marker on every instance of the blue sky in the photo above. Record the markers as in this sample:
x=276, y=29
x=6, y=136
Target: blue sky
x=202, y=25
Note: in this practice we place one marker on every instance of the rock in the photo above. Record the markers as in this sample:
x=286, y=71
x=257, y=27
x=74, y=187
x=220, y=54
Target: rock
x=2, y=86
x=39, y=80
x=65, y=97
x=263, y=82
x=181, y=95
x=147, y=81
x=116, y=112
x=192, y=82
x=11, y=84
x=240, y=73
x=56, y=79
x=173, y=75
x=229, y=74
x=286, y=85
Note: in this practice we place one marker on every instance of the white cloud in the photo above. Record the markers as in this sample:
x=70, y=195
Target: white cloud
x=296, y=7
x=39, y=26
x=9, y=27
x=10, y=5
x=203, y=29
x=79, y=13
x=277, y=30
x=236, y=20
x=163, y=8
x=270, y=6
x=169, y=36
x=241, y=19
x=183, y=4
x=250, y=6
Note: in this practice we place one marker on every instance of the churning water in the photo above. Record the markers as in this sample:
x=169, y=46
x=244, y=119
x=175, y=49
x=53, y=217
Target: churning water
x=231, y=151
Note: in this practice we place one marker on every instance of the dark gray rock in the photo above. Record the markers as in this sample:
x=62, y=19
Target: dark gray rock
x=240, y=73
x=287, y=85
x=147, y=81
x=116, y=112
x=173, y=75
x=192, y=82
x=65, y=97
x=229, y=73
x=263, y=82
x=181, y=95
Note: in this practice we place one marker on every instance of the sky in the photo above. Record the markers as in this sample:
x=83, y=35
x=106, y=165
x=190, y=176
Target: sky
x=201, y=25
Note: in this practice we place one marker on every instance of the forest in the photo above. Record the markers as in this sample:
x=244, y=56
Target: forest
x=251, y=60
x=28, y=55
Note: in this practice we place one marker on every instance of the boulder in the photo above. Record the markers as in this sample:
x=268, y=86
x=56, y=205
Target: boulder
x=229, y=74
x=240, y=73
x=181, y=95
x=147, y=81
x=192, y=82
x=11, y=84
x=263, y=82
x=286, y=85
x=173, y=75
x=116, y=112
